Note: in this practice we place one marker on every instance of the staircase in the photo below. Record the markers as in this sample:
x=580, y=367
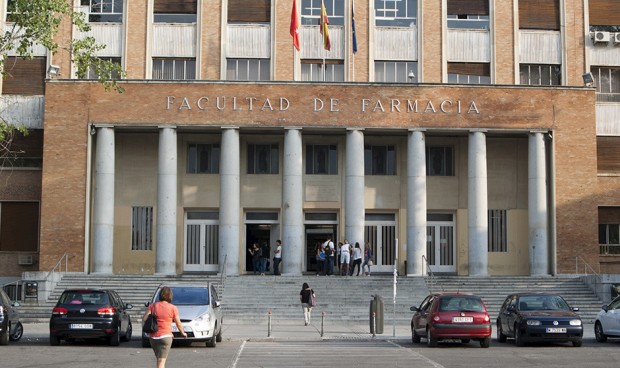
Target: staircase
x=249, y=299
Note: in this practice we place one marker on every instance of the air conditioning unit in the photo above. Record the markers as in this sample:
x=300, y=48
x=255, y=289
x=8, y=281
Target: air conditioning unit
x=601, y=36
x=617, y=38
x=25, y=259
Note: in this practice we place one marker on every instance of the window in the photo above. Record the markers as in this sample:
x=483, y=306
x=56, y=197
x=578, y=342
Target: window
x=439, y=161
x=469, y=73
x=321, y=159
x=92, y=74
x=24, y=76
x=142, y=228
x=396, y=71
x=540, y=75
x=108, y=11
x=311, y=12
x=396, y=13
x=203, y=159
x=174, y=69
x=322, y=71
x=19, y=226
x=497, y=231
x=539, y=14
x=607, y=82
x=263, y=158
x=175, y=11
x=10, y=10
x=247, y=69
x=26, y=151
x=379, y=160
x=471, y=14
x=243, y=11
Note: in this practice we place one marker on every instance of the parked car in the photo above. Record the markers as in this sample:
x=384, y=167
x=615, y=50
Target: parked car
x=453, y=316
x=11, y=329
x=537, y=317
x=200, y=313
x=90, y=313
x=607, y=322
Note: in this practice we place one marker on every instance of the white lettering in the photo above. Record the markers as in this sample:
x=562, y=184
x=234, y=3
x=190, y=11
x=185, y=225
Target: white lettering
x=169, y=101
x=318, y=108
x=185, y=104
x=378, y=105
x=217, y=103
x=235, y=105
x=284, y=106
x=199, y=103
x=413, y=107
x=473, y=108
x=395, y=105
x=266, y=105
x=250, y=100
x=333, y=104
x=365, y=103
x=443, y=105
x=429, y=106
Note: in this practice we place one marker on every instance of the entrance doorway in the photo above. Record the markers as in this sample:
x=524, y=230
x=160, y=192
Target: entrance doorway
x=317, y=234
x=255, y=233
x=440, y=250
x=380, y=234
x=201, y=241
x=262, y=227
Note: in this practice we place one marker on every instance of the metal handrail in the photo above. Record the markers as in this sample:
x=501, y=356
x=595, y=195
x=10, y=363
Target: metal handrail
x=223, y=268
x=586, y=266
x=13, y=295
x=58, y=265
x=430, y=273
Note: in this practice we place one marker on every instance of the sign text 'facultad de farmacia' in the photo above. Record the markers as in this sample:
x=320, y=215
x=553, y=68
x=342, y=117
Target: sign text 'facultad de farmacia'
x=332, y=105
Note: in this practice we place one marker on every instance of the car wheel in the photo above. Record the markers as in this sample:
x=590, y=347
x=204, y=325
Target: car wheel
x=577, y=343
x=146, y=343
x=486, y=342
x=218, y=337
x=500, y=333
x=4, y=337
x=518, y=337
x=54, y=340
x=212, y=342
x=415, y=337
x=115, y=339
x=599, y=333
x=127, y=336
x=430, y=340
x=17, y=332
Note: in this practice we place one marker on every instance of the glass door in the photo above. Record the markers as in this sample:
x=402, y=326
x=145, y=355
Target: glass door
x=440, y=247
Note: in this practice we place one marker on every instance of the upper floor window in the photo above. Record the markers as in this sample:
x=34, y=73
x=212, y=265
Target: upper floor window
x=311, y=12
x=247, y=69
x=396, y=13
x=498, y=234
x=174, y=69
x=92, y=74
x=439, y=161
x=469, y=73
x=243, y=11
x=539, y=14
x=175, y=11
x=379, y=160
x=263, y=158
x=609, y=238
x=396, y=71
x=109, y=11
x=540, y=75
x=321, y=159
x=203, y=158
x=604, y=13
x=322, y=70
x=472, y=14
x=607, y=82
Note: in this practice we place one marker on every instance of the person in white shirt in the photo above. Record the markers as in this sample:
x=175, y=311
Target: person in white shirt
x=357, y=259
x=345, y=258
x=329, y=256
x=277, y=258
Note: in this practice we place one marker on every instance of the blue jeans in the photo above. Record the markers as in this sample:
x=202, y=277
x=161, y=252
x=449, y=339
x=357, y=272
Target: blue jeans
x=263, y=265
x=276, y=266
x=329, y=268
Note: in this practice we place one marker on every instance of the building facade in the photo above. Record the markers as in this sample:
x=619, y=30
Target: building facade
x=450, y=135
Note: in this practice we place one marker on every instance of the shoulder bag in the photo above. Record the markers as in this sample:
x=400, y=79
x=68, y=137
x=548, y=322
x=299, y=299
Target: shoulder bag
x=150, y=324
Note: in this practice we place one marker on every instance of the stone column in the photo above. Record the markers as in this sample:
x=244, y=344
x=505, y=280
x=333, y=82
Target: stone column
x=229, y=200
x=477, y=202
x=416, y=202
x=166, y=241
x=103, y=221
x=354, y=204
x=292, y=203
x=537, y=212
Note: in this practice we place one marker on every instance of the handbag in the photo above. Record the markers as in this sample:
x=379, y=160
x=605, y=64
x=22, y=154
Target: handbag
x=150, y=324
x=312, y=301
x=370, y=262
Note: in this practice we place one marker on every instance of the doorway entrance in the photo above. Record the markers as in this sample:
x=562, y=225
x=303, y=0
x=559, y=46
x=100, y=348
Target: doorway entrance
x=317, y=234
x=262, y=227
x=440, y=250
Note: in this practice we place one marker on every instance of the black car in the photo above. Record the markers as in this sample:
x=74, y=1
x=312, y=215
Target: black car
x=10, y=326
x=90, y=313
x=537, y=317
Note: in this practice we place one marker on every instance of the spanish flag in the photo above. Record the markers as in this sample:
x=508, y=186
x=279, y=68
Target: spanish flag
x=295, y=25
x=324, y=23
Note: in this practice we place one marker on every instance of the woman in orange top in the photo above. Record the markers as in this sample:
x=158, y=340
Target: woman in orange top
x=166, y=313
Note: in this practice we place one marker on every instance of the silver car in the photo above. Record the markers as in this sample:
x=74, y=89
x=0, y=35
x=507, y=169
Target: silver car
x=200, y=312
x=608, y=321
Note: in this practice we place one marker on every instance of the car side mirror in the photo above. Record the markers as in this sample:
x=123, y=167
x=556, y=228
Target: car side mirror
x=217, y=304
x=605, y=307
x=128, y=306
x=575, y=309
x=414, y=309
x=511, y=308
x=16, y=304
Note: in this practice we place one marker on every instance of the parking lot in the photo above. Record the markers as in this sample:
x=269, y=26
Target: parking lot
x=294, y=345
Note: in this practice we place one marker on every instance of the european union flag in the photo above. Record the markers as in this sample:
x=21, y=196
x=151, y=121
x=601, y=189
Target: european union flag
x=353, y=27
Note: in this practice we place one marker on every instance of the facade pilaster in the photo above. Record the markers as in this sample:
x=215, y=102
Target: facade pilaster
x=229, y=200
x=166, y=241
x=292, y=203
x=103, y=221
x=477, y=202
x=416, y=202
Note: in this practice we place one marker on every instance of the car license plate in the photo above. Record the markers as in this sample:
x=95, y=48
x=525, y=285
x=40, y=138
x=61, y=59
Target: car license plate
x=81, y=326
x=462, y=319
x=556, y=330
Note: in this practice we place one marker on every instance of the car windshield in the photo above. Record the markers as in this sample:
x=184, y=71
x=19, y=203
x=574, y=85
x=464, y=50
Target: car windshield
x=189, y=295
x=460, y=303
x=84, y=297
x=542, y=303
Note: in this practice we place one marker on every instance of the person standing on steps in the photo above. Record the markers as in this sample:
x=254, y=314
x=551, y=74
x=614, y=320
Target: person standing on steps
x=357, y=259
x=265, y=252
x=345, y=258
x=367, y=259
x=328, y=247
x=277, y=258
x=306, y=296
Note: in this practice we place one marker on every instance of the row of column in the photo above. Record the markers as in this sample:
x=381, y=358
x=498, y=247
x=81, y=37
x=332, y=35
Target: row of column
x=292, y=201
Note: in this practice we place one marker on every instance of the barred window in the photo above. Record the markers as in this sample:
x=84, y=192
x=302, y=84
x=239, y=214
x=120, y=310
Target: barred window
x=498, y=240
x=540, y=75
x=321, y=159
x=396, y=71
x=247, y=69
x=396, y=13
x=203, y=158
x=379, y=160
x=469, y=73
x=322, y=70
x=263, y=158
x=91, y=74
x=174, y=69
x=607, y=82
x=311, y=12
x=142, y=228
x=439, y=161
x=108, y=11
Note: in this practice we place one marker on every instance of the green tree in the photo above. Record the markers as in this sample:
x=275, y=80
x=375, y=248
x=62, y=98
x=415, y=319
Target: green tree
x=36, y=22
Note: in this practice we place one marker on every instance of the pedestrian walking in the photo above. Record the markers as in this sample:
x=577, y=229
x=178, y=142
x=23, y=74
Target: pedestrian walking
x=367, y=259
x=166, y=313
x=307, y=297
x=345, y=258
x=357, y=259
x=277, y=258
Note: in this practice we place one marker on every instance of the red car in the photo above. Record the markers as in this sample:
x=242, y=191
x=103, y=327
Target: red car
x=451, y=316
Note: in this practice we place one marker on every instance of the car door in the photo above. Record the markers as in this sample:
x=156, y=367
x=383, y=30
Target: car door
x=215, y=305
x=611, y=319
x=509, y=315
x=118, y=304
x=420, y=318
